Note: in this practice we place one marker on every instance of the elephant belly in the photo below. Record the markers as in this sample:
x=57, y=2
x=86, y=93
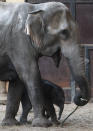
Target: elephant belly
x=7, y=71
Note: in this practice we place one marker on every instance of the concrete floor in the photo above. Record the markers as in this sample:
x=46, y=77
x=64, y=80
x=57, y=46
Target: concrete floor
x=81, y=120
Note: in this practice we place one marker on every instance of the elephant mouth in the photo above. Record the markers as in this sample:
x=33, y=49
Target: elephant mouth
x=57, y=57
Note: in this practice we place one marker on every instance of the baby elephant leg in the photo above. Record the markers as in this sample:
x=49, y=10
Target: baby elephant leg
x=50, y=111
x=13, y=100
x=26, y=106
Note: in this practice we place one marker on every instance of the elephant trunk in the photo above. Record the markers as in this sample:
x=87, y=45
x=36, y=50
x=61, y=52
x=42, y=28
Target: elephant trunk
x=76, y=63
x=84, y=94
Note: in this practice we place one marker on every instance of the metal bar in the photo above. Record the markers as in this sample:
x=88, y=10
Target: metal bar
x=88, y=46
x=73, y=88
x=73, y=8
x=84, y=2
x=72, y=81
x=87, y=59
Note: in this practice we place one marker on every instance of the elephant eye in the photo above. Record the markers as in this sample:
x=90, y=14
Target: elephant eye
x=64, y=34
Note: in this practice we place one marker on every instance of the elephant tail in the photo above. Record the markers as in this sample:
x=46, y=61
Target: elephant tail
x=60, y=112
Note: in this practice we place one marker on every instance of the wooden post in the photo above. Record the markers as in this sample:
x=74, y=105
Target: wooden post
x=2, y=87
x=7, y=85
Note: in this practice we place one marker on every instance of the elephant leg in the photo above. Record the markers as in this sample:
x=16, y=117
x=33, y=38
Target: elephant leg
x=50, y=112
x=53, y=115
x=26, y=106
x=13, y=101
x=26, y=66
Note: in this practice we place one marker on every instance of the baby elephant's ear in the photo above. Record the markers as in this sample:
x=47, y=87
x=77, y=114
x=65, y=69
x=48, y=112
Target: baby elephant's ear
x=35, y=27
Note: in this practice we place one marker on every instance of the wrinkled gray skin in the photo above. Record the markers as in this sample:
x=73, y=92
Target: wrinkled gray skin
x=28, y=31
x=53, y=94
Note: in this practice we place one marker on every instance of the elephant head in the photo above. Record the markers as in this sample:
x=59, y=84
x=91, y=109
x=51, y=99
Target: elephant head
x=52, y=29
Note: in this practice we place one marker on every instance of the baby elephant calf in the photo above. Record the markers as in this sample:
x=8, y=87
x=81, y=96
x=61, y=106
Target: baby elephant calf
x=53, y=94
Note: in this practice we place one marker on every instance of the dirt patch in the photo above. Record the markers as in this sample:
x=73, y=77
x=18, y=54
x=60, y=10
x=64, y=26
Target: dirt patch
x=81, y=120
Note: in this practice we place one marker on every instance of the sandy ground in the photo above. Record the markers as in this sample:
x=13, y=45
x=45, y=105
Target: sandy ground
x=81, y=120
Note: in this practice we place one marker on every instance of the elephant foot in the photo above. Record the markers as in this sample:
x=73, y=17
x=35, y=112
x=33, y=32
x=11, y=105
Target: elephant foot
x=41, y=122
x=10, y=122
x=23, y=120
x=56, y=122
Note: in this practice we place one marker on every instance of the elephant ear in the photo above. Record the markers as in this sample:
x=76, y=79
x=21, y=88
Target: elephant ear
x=35, y=28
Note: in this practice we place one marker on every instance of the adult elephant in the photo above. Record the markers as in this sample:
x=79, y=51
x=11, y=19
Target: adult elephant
x=28, y=31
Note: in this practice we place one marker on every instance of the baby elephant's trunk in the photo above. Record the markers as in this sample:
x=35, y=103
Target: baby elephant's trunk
x=60, y=112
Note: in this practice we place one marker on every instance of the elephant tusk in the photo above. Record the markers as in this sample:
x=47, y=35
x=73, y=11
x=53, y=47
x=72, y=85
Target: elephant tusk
x=27, y=30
